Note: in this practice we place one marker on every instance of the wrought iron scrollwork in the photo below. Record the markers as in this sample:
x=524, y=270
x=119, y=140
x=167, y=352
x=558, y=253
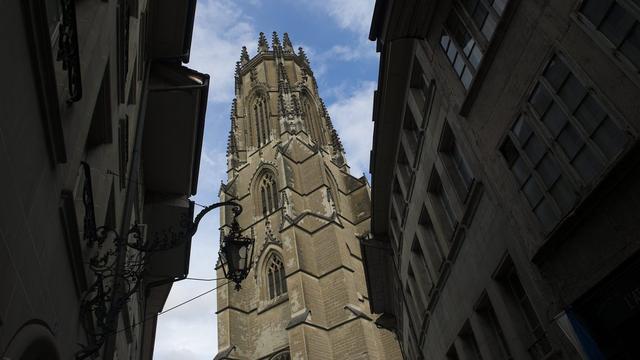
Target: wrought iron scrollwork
x=98, y=306
x=68, y=51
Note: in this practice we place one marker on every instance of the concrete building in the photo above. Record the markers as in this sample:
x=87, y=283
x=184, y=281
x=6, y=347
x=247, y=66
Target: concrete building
x=504, y=170
x=100, y=133
x=305, y=297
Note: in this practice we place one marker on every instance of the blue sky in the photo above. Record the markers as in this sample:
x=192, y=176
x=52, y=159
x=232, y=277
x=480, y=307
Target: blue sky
x=334, y=36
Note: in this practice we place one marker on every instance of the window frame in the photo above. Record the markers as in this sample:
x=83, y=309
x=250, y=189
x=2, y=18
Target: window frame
x=529, y=114
x=612, y=50
x=275, y=279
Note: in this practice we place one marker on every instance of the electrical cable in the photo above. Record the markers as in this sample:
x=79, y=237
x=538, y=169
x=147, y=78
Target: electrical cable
x=169, y=309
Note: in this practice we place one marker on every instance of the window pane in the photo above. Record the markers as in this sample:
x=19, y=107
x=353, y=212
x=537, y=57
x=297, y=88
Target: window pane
x=590, y=114
x=587, y=164
x=489, y=27
x=556, y=72
x=499, y=5
x=617, y=24
x=445, y=41
x=555, y=119
x=570, y=141
x=458, y=65
x=595, y=10
x=549, y=170
x=609, y=138
x=522, y=130
x=509, y=152
x=532, y=191
x=466, y=78
x=572, y=92
x=540, y=99
x=451, y=53
x=520, y=171
x=631, y=46
x=546, y=213
x=468, y=45
x=480, y=15
x=475, y=57
x=564, y=194
x=534, y=149
x=53, y=14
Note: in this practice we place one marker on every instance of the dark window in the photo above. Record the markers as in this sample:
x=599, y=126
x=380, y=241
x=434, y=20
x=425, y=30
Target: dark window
x=100, y=130
x=261, y=117
x=123, y=140
x=442, y=204
x=425, y=282
x=405, y=170
x=268, y=194
x=455, y=162
x=434, y=250
x=276, y=279
x=585, y=136
x=419, y=87
x=493, y=331
x=618, y=22
x=540, y=345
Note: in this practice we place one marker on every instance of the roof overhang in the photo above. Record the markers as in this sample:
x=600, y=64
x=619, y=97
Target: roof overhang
x=378, y=264
x=174, y=127
x=170, y=28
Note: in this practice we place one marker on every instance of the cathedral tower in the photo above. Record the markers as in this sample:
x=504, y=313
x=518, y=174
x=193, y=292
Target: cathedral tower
x=306, y=296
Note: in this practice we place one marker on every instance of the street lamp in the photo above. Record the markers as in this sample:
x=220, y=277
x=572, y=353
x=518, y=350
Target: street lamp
x=236, y=250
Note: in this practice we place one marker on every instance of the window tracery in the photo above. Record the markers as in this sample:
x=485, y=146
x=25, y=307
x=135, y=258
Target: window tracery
x=268, y=194
x=276, y=279
x=261, y=118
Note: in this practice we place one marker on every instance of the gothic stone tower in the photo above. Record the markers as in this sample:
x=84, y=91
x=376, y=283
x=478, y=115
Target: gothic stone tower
x=306, y=296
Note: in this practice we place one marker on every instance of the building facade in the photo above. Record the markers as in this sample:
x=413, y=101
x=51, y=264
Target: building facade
x=504, y=178
x=100, y=134
x=305, y=297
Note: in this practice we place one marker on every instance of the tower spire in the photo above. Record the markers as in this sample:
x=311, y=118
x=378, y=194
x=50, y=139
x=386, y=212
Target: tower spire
x=244, y=55
x=275, y=41
x=262, y=43
x=288, y=47
x=302, y=54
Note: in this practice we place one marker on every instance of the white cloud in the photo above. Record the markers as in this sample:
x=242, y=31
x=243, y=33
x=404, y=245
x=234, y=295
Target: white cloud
x=220, y=31
x=351, y=116
x=354, y=15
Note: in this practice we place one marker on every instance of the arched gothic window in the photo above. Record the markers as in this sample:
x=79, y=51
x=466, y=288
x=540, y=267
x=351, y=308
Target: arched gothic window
x=269, y=194
x=276, y=280
x=261, y=117
x=282, y=356
x=311, y=121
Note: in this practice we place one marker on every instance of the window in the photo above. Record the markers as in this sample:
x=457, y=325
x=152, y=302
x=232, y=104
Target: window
x=494, y=332
x=310, y=120
x=455, y=162
x=540, y=345
x=419, y=87
x=618, y=22
x=123, y=147
x=461, y=49
x=485, y=14
x=420, y=280
x=434, y=250
x=282, y=356
x=405, y=171
x=465, y=43
x=268, y=194
x=580, y=135
x=469, y=343
x=100, y=130
x=261, y=117
x=276, y=278
x=442, y=204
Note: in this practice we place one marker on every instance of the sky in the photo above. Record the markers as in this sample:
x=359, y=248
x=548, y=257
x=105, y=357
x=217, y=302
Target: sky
x=334, y=35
